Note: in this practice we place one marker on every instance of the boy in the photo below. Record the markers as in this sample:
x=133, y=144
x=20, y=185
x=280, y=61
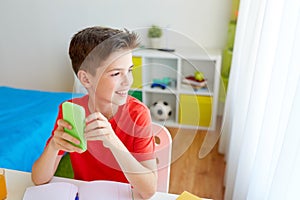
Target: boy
x=117, y=124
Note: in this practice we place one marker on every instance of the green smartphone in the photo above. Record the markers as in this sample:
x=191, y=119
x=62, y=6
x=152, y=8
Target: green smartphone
x=75, y=115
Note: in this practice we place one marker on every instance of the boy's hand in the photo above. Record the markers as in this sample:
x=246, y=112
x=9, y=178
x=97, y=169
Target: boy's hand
x=61, y=140
x=99, y=128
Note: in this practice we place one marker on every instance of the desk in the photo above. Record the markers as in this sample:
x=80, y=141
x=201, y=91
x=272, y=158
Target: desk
x=18, y=181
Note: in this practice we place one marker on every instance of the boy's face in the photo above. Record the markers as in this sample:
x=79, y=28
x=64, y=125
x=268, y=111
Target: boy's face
x=113, y=79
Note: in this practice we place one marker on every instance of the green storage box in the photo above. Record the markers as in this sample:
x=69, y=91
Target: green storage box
x=137, y=94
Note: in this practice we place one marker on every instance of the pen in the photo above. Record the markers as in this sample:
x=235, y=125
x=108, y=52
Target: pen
x=77, y=197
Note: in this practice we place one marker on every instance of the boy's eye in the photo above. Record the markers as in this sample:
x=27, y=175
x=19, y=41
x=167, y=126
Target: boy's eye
x=115, y=74
x=130, y=69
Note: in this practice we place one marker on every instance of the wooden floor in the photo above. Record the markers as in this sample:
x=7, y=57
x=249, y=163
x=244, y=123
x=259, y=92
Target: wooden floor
x=202, y=177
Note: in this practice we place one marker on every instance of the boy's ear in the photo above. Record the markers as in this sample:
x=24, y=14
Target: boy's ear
x=83, y=77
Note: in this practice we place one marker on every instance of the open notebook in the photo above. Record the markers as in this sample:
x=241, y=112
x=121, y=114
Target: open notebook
x=93, y=190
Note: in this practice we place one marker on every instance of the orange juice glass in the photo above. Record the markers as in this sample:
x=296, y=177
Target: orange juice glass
x=3, y=191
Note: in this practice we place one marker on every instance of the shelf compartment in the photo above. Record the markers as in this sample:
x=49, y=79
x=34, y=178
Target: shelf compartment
x=169, y=98
x=207, y=67
x=159, y=68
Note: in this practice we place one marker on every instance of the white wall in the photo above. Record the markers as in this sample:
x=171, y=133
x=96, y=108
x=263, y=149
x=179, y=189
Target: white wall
x=35, y=35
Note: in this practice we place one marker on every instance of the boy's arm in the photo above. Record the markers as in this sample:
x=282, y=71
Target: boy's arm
x=45, y=166
x=141, y=175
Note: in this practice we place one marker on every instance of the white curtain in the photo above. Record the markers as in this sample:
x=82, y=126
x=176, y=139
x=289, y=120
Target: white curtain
x=261, y=124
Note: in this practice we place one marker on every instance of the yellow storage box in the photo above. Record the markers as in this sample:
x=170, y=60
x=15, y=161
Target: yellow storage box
x=137, y=72
x=195, y=110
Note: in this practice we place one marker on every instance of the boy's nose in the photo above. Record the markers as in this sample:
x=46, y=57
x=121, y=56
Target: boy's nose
x=127, y=79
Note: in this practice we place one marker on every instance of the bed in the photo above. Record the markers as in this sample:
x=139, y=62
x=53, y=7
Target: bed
x=26, y=121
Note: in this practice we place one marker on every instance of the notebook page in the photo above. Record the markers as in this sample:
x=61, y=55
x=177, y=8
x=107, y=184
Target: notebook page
x=51, y=191
x=96, y=190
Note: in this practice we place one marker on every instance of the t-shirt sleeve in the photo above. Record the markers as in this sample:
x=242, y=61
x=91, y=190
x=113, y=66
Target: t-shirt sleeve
x=144, y=149
x=144, y=144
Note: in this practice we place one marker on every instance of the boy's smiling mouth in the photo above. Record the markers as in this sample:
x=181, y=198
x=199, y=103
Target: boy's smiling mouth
x=122, y=93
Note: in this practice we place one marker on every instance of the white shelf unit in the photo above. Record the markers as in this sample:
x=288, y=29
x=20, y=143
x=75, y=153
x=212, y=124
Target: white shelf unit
x=190, y=108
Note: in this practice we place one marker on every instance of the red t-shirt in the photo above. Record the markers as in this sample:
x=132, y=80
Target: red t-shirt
x=132, y=124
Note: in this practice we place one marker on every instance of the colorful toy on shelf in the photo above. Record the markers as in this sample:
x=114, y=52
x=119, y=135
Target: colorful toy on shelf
x=162, y=83
x=164, y=80
x=162, y=86
x=199, y=76
x=161, y=110
x=197, y=81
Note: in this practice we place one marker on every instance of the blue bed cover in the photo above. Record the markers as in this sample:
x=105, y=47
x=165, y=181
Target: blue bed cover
x=27, y=118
